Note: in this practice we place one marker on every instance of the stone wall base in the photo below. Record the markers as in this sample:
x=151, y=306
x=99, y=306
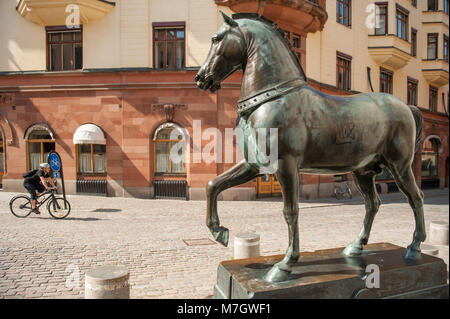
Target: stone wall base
x=231, y=194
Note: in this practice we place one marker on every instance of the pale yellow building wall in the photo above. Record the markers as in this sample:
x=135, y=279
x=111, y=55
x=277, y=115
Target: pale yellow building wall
x=102, y=41
x=322, y=46
x=201, y=18
x=22, y=43
x=134, y=33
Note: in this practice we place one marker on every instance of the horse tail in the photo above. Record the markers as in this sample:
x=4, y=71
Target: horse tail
x=418, y=118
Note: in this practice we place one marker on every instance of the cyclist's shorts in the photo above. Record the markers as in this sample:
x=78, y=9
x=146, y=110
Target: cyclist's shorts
x=32, y=188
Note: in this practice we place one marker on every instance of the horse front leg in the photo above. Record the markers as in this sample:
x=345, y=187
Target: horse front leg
x=287, y=175
x=237, y=175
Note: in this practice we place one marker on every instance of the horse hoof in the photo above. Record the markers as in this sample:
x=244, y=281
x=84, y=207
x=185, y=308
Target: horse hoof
x=352, y=250
x=412, y=254
x=221, y=236
x=276, y=274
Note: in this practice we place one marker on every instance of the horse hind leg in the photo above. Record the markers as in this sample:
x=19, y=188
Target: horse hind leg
x=404, y=178
x=366, y=185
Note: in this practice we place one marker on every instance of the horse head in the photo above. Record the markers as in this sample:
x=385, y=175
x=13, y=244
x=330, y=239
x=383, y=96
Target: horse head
x=225, y=56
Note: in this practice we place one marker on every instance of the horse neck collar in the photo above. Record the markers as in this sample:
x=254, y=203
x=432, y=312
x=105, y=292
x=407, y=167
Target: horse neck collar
x=248, y=105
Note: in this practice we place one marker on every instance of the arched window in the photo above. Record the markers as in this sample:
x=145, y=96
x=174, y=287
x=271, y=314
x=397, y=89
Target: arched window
x=167, y=138
x=90, y=144
x=430, y=156
x=40, y=141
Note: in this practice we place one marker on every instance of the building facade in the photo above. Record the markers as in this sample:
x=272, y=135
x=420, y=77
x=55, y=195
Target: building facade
x=110, y=86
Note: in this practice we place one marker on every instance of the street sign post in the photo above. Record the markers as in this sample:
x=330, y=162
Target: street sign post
x=56, y=165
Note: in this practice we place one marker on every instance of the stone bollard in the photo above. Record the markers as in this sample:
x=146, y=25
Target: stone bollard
x=429, y=249
x=107, y=282
x=246, y=245
x=439, y=233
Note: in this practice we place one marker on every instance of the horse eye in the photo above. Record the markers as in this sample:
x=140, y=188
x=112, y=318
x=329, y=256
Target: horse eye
x=214, y=39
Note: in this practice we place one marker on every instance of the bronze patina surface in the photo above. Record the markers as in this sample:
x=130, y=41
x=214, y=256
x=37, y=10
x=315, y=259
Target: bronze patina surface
x=330, y=274
x=316, y=133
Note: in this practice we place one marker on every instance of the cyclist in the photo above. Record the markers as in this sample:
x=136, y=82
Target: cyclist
x=37, y=183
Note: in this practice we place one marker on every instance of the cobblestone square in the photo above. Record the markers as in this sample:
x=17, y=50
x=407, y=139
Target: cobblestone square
x=41, y=257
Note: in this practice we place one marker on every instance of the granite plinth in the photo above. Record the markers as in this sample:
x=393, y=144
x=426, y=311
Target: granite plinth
x=327, y=274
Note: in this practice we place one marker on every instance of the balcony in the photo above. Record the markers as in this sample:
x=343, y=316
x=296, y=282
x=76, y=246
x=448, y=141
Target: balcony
x=303, y=15
x=435, y=72
x=53, y=13
x=389, y=51
x=435, y=22
x=433, y=17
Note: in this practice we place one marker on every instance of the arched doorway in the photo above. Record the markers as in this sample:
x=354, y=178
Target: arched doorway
x=267, y=185
x=2, y=159
x=169, y=155
x=40, y=141
x=432, y=148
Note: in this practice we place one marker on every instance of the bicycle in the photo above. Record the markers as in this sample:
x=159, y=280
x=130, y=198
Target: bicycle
x=341, y=192
x=20, y=205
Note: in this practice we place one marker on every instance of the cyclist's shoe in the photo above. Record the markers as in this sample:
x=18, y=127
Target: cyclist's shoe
x=36, y=211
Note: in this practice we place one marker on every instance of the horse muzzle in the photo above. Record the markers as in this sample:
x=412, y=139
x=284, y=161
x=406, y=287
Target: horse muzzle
x=206, y=82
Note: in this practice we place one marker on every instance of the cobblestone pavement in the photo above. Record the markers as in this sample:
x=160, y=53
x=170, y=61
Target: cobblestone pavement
x=41, y=257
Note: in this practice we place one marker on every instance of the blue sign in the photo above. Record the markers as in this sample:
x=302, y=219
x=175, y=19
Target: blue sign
x=56, y=175
x=55, y=162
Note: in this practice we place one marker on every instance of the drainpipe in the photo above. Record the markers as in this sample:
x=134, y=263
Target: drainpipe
x=443, y=103
x=369, y=78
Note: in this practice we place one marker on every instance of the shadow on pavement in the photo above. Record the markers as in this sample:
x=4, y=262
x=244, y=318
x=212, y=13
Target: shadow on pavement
x=436, y=197
x=106, y=210
x=84, y=219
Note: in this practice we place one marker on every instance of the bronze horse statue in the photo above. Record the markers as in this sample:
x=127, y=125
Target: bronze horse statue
x=317, y=133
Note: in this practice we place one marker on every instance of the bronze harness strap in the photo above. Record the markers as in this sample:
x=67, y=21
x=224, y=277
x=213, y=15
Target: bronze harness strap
x=250, y=104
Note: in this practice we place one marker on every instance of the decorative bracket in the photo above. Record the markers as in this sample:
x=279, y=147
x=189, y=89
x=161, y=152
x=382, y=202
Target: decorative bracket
x=168, y=109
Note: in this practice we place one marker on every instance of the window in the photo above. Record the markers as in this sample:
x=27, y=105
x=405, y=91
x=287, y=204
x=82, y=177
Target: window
x=39, y=143
x=91, y=158
x=414, y=3
x=343, y=12
x=430, y=156
x=433, y=98
x=412, y=91
x=386, y=83
x=433, y=5
x=445, y=48
x=298, y=44
x=432, y=46
x=413, y=42
x=343, y=71
x=64, y=49
x=446, y=3
x=169, y=45
x=381, y=18
x=402, y=23
x=164, y=143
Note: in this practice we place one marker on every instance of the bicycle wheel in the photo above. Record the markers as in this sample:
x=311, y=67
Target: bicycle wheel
x=20, y=206
x=58, y=212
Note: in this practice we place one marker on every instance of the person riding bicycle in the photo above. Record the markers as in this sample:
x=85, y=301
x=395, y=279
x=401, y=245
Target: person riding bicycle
x=37, y=184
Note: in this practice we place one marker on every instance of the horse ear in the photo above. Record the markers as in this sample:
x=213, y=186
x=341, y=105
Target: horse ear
x=228, y=20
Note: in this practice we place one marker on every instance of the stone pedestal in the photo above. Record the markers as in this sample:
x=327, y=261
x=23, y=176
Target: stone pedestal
x=246, y=245
x=107, y=282
x=328, y=274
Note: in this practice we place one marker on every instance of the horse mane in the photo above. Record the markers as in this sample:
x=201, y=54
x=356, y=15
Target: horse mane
x=280, y=32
